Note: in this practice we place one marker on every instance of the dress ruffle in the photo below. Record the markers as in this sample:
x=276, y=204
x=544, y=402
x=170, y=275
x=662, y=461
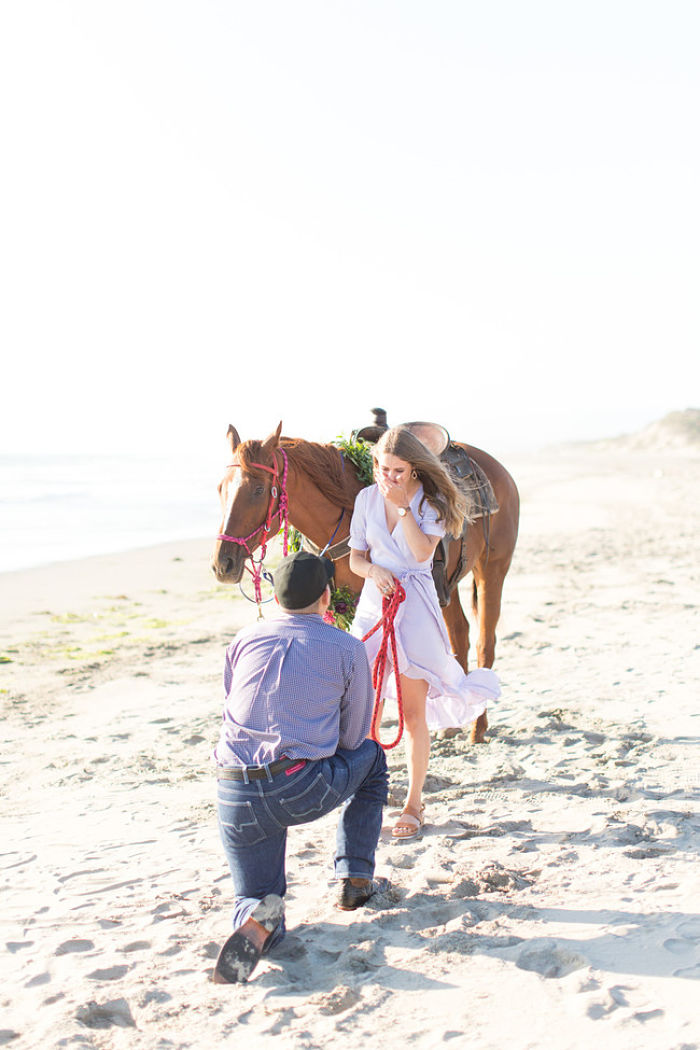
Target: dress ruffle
x=423, y=651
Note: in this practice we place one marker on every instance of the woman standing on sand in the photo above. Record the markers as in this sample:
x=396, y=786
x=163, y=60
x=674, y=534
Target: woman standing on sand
x=396, y=526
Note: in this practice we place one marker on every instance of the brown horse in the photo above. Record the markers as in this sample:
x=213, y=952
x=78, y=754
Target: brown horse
x=320, y=488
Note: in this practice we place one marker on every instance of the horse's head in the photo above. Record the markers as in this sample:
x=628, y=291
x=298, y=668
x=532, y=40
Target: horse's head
x=248, y=503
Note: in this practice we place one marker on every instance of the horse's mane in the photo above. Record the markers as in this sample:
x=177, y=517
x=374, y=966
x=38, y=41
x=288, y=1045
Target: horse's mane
x=324, y=466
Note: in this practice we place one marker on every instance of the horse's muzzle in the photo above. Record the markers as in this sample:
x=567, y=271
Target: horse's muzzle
x=228, y=561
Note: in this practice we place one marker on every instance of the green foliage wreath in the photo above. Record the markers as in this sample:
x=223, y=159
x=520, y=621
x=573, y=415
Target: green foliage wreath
x=359, y=453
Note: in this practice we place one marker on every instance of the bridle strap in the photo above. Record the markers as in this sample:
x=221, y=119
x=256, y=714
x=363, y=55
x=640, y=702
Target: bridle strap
x=280, y=496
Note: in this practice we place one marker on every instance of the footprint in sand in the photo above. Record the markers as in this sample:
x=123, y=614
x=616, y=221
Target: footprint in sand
x=616, y=998
x=136, y=946
x=336, y=1001
x=111, y=973
x=679, y=946
x=691, y=973
x=76, y=945
x=550, y=961
x=647, y=1015
x=686, y=945
x=292, y=949
x=38, y=981
x=106, y=1015
x=17, y=946
x=282, y=1022
x=155, y=995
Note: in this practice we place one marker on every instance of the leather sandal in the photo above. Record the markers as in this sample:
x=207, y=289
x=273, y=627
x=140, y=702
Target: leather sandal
x=408, y=826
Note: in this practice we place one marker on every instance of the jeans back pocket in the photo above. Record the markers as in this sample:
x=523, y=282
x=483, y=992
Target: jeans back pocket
x=238, y=823
x=314, y=800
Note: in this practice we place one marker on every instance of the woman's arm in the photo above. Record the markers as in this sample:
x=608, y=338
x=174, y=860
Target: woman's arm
x=421, y=544
x=367, y=570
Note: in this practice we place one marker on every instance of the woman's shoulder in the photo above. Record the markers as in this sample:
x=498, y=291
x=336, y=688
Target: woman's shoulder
x=426, y=511
x=365, y=495
x=422, y=503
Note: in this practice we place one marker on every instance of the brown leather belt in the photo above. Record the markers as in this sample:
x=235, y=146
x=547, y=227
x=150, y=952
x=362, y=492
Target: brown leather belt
x=246, y=773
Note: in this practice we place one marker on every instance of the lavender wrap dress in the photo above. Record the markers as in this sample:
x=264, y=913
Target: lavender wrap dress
x=422, y=643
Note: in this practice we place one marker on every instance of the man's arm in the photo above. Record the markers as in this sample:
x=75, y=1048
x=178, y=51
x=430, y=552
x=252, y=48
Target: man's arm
x=357, y=703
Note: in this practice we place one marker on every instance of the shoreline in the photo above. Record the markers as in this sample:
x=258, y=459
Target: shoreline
x=77, y=579
x=551, y=899
x=120, y=547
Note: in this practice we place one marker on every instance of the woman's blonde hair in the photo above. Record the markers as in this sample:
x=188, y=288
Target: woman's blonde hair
x=439, y=488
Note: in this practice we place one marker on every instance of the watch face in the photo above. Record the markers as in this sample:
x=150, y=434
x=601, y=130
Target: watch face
x=402, y=512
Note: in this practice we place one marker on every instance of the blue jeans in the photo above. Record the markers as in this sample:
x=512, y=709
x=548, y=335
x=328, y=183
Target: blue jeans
x=254, y=817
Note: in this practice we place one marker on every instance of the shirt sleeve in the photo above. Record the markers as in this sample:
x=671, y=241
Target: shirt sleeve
x=428, y=520
x=358, y=524
x=357, y=704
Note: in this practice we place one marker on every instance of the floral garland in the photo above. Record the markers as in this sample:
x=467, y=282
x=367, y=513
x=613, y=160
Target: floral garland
x=341, y=611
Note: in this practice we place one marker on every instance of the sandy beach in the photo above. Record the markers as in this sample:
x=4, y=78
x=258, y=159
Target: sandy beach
x=553, y=900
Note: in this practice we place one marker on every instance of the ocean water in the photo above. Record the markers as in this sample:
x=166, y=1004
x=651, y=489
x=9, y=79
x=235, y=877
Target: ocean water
x=57, y=508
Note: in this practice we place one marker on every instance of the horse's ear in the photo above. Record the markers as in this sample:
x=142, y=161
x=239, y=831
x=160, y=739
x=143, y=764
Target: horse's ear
x=273, y=440
x=233, y=438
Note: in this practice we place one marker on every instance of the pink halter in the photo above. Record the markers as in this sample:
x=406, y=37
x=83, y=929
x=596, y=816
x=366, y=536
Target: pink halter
x=282, y=510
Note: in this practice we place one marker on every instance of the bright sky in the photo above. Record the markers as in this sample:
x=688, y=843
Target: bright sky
x=481, y=213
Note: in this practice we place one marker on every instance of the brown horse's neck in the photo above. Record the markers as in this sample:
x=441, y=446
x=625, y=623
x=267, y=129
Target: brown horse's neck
x=314, y=515
x=313, y=512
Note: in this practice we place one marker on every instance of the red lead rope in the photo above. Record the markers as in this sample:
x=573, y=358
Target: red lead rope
x=390, y=607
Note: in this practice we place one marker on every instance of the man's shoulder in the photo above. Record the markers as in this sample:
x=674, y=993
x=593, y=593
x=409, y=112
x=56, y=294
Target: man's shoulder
x=256, y=631
x=344, y=641
x=307, y=627
x=327, y=634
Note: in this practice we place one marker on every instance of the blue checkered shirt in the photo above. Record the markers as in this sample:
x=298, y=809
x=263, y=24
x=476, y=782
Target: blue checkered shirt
x=294, y=686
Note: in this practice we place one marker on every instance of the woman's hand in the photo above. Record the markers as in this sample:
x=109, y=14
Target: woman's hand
x=382, y=578
x=393, y=492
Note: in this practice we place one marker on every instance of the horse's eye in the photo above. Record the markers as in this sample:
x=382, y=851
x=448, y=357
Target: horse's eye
x=258, y=491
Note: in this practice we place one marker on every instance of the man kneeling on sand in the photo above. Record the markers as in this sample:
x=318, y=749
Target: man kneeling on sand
x=293, y=746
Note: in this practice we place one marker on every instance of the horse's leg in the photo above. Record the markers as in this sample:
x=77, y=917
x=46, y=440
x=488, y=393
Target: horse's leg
x=458, y=632
x=489, y=588
x=457, y=628
x=486, y=644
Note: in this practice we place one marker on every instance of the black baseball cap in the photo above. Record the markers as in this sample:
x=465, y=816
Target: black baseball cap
x=301, y=579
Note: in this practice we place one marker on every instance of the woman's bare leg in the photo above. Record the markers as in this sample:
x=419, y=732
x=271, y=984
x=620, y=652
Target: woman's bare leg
x=414, y=692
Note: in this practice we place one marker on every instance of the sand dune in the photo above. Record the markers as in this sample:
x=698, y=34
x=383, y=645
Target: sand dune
x=678, y=431
x=553, y=900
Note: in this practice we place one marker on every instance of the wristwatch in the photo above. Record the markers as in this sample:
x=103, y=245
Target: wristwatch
x=402, y=512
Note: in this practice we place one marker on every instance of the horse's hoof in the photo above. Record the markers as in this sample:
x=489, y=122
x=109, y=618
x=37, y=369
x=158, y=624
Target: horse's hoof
x=478, y=731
